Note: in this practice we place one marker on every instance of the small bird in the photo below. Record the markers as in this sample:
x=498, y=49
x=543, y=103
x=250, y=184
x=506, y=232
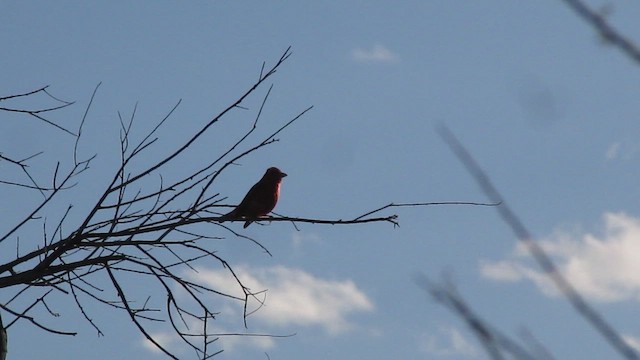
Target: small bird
x=260, y=200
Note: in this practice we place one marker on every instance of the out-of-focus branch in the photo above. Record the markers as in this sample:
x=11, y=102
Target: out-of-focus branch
x=606, y=31
x=496, y=344
x=583, y=308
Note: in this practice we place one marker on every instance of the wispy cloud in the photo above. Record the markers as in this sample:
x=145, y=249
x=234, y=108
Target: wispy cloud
x=621, y=150
x=447, y=341
x=603, y=267
x=294, y=297
x=378, y=53
x=612, y=151
x=166, y=339
x=632, y=341
x=284, y=297
x=299, y=238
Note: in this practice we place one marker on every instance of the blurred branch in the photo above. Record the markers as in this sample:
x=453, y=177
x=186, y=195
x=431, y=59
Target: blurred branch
x=606, y=31
x=544, y=261
x=447, y=296
x=496, y=344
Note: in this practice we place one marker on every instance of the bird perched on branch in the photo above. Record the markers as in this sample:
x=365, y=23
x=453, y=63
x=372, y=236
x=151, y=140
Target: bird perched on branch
x=260, y=200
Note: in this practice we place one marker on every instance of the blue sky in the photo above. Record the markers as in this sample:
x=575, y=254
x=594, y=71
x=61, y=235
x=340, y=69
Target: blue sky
x=545, y=106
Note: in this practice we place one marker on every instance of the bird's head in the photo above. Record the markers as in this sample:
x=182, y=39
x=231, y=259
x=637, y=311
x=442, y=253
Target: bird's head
x=274, y=173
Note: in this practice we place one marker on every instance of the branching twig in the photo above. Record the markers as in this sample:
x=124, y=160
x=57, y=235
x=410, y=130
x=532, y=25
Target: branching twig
x=37, y=112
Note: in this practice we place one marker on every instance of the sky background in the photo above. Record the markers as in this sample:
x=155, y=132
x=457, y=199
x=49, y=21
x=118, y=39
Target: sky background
x=545, y=106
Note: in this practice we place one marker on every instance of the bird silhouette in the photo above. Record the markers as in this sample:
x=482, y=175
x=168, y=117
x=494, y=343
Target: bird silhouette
x=260, y=199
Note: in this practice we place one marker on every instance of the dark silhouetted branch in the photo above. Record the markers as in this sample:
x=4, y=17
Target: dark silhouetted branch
x=37, y=113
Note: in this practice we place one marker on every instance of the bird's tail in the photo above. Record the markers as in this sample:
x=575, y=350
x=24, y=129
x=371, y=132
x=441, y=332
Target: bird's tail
x=233, y=215
x=228, y=216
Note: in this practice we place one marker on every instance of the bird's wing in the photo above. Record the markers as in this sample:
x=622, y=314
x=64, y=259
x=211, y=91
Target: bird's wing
x=250, y=201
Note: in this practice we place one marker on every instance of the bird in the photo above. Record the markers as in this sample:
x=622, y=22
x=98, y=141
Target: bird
x=260, y=199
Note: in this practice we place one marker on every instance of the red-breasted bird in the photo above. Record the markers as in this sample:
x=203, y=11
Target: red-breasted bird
x=260, y=200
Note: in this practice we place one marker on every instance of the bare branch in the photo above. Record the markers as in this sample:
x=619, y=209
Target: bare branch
x=23, y=315
x=84, y=118
x=425, y=204
x=209, y=124
x=36, y=112
x=132, y=314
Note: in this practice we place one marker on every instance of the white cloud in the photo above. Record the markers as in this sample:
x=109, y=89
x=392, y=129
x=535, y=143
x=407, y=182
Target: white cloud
x=165, y=339
x=447, y=341
x=514, y=270
x=299, y=238
x=293, y=297
x=632, y=341
x=378, y=53
x=612, y=151
x=602, y=267
x=621, y=151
